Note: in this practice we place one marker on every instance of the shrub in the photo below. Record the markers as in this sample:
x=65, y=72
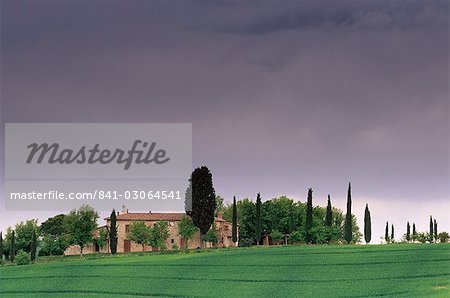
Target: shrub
x=245, y=242
x=443, y=237
x=174, y=246
x=277, y=236
x=296, y=236
x=211, y=236
x=22, y=258
x=422, y=237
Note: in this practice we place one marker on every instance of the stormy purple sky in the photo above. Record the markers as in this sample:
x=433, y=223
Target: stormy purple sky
x=282, y=95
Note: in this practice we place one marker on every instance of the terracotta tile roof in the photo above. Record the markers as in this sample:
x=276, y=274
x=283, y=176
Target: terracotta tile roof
x=151, y=216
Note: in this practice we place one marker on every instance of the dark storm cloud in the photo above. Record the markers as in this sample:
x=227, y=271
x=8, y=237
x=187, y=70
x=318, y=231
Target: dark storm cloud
x=343, y=15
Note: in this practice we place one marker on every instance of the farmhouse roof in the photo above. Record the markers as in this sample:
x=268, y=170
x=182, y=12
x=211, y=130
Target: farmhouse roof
x=152, y=216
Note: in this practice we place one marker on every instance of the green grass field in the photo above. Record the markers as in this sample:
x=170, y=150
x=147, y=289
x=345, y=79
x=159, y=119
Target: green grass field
x=297, y=271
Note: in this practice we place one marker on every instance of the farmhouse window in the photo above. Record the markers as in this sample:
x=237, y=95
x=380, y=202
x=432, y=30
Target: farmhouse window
x=127, y=228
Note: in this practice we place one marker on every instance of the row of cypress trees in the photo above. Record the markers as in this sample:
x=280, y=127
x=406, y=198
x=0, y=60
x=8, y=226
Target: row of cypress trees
x=386, y=233
x=348, y=228
x=433, y=234
x=348, y=233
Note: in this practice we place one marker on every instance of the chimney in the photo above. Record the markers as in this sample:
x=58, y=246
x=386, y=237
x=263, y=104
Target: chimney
x=124, y=210
x=219, y=215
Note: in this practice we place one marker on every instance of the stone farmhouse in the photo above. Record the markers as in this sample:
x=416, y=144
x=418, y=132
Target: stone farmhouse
x=125, y=219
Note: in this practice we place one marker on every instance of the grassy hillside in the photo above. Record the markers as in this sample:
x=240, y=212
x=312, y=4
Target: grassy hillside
x=314, y=271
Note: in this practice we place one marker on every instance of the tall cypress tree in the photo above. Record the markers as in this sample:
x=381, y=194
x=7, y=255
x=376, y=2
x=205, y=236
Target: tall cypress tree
x=386, y=232
x=12, y=248
x=367, y=225
x=435, y=230
x=33, y=246
x=234, y=227
x=392, y=232
x=431, y=229
x=408, y=232
x=203, y=200
x=258, y=223
x=1, y=246
x=329, y=214
x=309, y=217
x=113, y=232
x=348, y=217
x=414, y=234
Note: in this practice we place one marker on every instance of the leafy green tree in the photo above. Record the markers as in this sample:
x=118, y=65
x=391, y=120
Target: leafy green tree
x=203, y=200
x=211, y=236
x=277, y=236
x=80, y=225
x=159, y=234
x=348, y=217
x=367, y=225
x=234, y=235
x=140, y=233
x=431, y=230
x=386, y=232
x=24, y=234
x=52, y=246
x=33, y=247
x=329, y=216
x=102, y=238
x=186, y=229
x=356, y=234
x=332, y=234
x=296, y=236
x=392, y=232
x=113, y=232
x=338, y=217
x=319, y=234
x=435, y=232
x=1, y=247
x=220, y=205
x=55, y=235
x=281, y=214
x=408, y=232
x=258, y=223
x=246, y=220
x=12, y=248
x=309, y=217
x=54, y=226
x=336, y=230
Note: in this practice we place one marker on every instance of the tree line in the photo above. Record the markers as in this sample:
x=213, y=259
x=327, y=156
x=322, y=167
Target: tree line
x=28, y=240
x=282, y=219
x=432, y=236
x=287, y=221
